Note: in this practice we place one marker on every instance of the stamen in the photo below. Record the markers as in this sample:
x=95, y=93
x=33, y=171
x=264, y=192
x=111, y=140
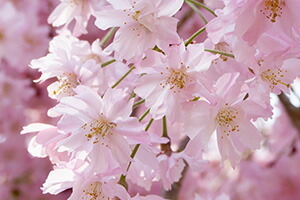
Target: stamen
x=93, y=192
x=136, y=15
x=177, y=78
x=274, y=77
x=226, y=118
x=66, y=83
x=1, y=35
x=99, y=130
x=273, y=9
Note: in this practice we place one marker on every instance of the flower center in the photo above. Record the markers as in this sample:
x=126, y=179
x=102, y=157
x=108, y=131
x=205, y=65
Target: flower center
x=98, y=130
x=226, y=119
x=93, y=192
x=137, y=27
x=6, y=89
x=136, y=15
x=274, y=77
x=272, y=9
x=177, y=79
x=66, y=84
x=31, y=40
x=1, y=35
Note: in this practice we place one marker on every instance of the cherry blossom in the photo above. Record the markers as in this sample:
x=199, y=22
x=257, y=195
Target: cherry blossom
x=78, y=10
x=228, y=116
x=143, y=24
x=172, y=77
x=101, y=125
x=74, y=62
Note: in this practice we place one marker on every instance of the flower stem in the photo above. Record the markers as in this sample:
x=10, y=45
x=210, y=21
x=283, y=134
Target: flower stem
x=165, y=130
x=202, y=6
x=108, y=63
x=122, y=180
x=196, y=10
x=166, y=148
x=144, y=115
x=219, y=52
x=107, y=37
x=136, y=104
x=123, y=77
x=188, y=41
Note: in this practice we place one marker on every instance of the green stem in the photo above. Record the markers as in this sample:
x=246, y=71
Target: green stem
x=149, y=124
x=107, y=37
x=165, y=130
x=188, y=41
x=136, y=104
x=219, y=52
x=123, y=77
x=196, y=10
x=122, y=180
x=108, y=63
x=144, y=115
x=166, y=148
x=202, y=6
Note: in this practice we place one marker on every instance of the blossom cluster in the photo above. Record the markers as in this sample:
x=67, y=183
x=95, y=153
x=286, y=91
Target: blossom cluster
x=145, y=108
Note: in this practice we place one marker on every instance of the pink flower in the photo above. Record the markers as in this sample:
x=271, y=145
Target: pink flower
x=256, y=17
x=276, y=75
x=171, y=79
x=75, y=62
x=44, y=142
x=102, y=127
x=97, y=188
x=143, y=24
x=78, y=10
x=170, y=169
x=86, y=186
x=227, y=114
x=224, y=24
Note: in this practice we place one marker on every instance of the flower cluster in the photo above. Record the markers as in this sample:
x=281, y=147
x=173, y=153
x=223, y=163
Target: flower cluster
x=152, y=108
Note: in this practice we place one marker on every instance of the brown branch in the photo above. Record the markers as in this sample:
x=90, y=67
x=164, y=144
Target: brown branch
x=292, y=111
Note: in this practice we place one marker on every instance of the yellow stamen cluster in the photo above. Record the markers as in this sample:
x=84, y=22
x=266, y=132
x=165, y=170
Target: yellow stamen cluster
x=226, y=118
x=273, y=9
x=67, y=81
x=94, y=192
x=98, y=130
x=177, y=78
x=135, y=16
x=274, y=77
x=1, y=35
